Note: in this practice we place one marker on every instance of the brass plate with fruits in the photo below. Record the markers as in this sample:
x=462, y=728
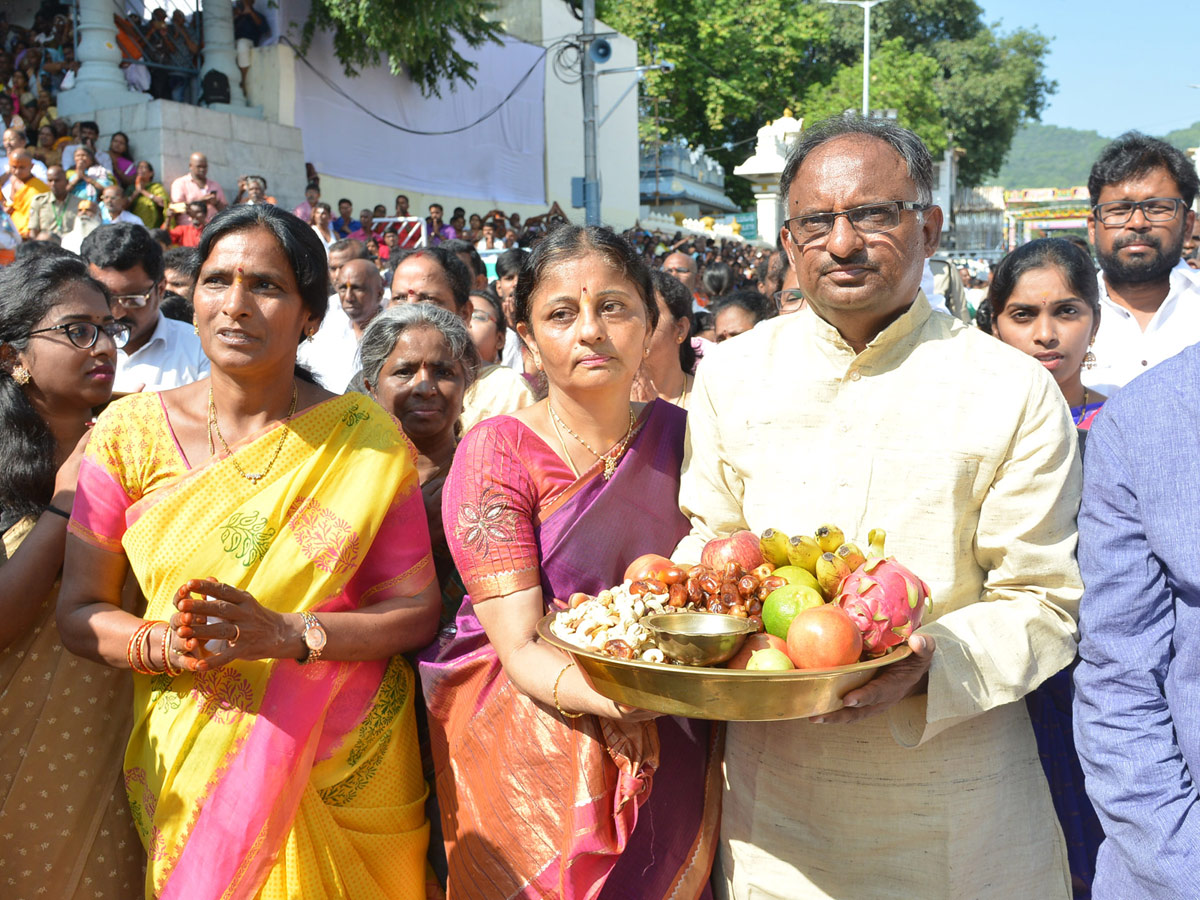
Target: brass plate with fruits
x=731, y=695
x=822, y=617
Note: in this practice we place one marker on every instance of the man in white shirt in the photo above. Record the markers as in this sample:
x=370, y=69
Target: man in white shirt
x=1141, y=191
x=321, y=355
x=161, y=353
x=334, y=351
x=112, y=207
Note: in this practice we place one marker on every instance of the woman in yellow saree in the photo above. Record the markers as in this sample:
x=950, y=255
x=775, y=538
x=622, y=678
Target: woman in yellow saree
x=274, y=749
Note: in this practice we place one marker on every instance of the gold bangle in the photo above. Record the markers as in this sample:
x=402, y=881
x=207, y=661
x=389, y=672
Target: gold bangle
x=557, y=705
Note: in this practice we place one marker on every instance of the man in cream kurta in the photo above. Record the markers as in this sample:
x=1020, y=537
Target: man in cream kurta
x=962, y=449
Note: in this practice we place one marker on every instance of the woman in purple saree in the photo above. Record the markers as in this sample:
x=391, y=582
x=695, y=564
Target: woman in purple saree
x=546, y=788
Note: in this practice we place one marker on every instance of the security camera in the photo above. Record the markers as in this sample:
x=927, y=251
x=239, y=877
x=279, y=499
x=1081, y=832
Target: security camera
x=666, y=66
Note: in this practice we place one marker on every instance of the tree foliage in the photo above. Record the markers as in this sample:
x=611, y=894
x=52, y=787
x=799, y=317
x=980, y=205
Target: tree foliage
x=418, y=38
x=900, y=80
x=741, y=63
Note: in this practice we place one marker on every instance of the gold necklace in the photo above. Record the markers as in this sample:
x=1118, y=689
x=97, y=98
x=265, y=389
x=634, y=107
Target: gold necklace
x=611, y=458
x=253, y=478
x=1082, y=409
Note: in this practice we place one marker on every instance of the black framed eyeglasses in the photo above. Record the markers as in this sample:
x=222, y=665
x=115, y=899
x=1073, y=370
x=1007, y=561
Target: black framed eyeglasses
x=85, y=334
x=872, y=219
x=1156, y=209
x=789, y=301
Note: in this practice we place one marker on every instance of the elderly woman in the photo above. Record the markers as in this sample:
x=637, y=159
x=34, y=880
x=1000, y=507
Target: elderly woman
x=61, y=790
x=536, y=772
x=88, y=178
x=274, y=745
x=418, y=362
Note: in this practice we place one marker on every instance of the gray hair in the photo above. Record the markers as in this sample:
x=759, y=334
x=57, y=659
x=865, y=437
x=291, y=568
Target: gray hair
x=379, y=339
x=910, y=147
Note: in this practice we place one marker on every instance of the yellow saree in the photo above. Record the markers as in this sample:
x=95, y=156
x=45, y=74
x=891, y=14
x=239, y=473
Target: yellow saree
x=268, y=778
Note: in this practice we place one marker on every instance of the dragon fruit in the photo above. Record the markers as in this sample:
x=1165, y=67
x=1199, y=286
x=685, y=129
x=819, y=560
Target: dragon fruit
x=886, y=602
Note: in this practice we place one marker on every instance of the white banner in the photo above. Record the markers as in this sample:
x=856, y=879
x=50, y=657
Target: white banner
x=501, y=159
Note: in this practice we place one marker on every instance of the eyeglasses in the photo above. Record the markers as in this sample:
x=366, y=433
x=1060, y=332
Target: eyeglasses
x=133, y=301
x=480, y=316
x=85, y=334
x=872, y=219
x=789, y=301
x=1156, y=209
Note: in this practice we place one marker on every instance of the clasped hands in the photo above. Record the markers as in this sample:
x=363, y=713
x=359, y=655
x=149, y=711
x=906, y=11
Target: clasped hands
x=249, y=629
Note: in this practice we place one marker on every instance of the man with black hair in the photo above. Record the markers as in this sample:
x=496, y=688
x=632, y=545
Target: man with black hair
x=161, y=352
x=508, y=268
x=345, y=224
x=433, y=275
x=181, y=265
x=1141, y=191
x=435, y=228
x=471, y=259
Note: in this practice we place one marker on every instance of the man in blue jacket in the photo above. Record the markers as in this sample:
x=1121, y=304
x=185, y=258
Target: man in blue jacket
x=1136, y=726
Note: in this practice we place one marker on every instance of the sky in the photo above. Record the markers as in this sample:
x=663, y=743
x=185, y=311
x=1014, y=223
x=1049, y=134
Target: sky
x=1119, y=65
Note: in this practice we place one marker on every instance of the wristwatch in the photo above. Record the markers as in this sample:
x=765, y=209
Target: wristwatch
x=314, y=638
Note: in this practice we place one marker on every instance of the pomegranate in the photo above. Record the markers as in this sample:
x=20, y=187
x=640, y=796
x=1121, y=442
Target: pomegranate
x=823, y=637
x=649, y=567
x=740, y=547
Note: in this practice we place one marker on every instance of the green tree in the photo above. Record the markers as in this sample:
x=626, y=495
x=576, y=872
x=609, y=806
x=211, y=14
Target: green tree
x=740, y=64
x=416, y=37
x=737, y=65
x=900, y=80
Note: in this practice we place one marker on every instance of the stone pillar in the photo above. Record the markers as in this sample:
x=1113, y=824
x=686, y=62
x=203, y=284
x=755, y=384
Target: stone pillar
x=99, y=83
x=769, y=220
x=219, y=51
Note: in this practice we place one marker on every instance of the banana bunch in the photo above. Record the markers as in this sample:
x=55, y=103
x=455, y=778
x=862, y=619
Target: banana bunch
x=826, y=554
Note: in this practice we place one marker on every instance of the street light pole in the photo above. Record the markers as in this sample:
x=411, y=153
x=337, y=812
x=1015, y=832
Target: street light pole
x=866, y=8
x=591, y=175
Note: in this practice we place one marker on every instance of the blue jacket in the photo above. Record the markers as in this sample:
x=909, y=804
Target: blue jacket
x=1137, y=715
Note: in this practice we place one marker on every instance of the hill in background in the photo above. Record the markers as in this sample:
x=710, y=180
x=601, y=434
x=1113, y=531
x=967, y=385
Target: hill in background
x=1049, y=156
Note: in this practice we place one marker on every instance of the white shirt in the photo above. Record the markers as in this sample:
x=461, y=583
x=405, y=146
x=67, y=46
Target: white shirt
x=126, y=216
x=172, y=357
x=1124, y=351
x=332, y=354
x=510, y=356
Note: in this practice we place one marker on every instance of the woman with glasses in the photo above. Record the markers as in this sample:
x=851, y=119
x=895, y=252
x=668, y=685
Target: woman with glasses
x=547, y=788
x=273, y=751
x=498, y=390
x=63, y=720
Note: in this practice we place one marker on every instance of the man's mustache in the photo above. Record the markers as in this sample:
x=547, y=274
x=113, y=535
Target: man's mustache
x=1148, y=239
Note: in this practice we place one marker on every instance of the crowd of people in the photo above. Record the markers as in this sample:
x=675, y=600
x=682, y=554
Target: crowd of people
x=345, y=465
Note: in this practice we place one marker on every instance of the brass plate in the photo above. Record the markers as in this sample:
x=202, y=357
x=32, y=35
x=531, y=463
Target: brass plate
x=732, y=695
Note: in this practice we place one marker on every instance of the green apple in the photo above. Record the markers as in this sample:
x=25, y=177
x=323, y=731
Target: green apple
x=769, y=660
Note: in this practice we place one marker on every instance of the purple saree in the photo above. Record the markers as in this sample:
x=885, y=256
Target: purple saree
x=535, y=805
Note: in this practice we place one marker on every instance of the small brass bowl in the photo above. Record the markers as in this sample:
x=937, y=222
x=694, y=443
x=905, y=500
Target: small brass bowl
x=699, y=639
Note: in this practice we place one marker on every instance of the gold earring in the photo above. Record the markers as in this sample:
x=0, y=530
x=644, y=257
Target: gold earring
x=195, y=326
x=21, y=375
x=1089, y=360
